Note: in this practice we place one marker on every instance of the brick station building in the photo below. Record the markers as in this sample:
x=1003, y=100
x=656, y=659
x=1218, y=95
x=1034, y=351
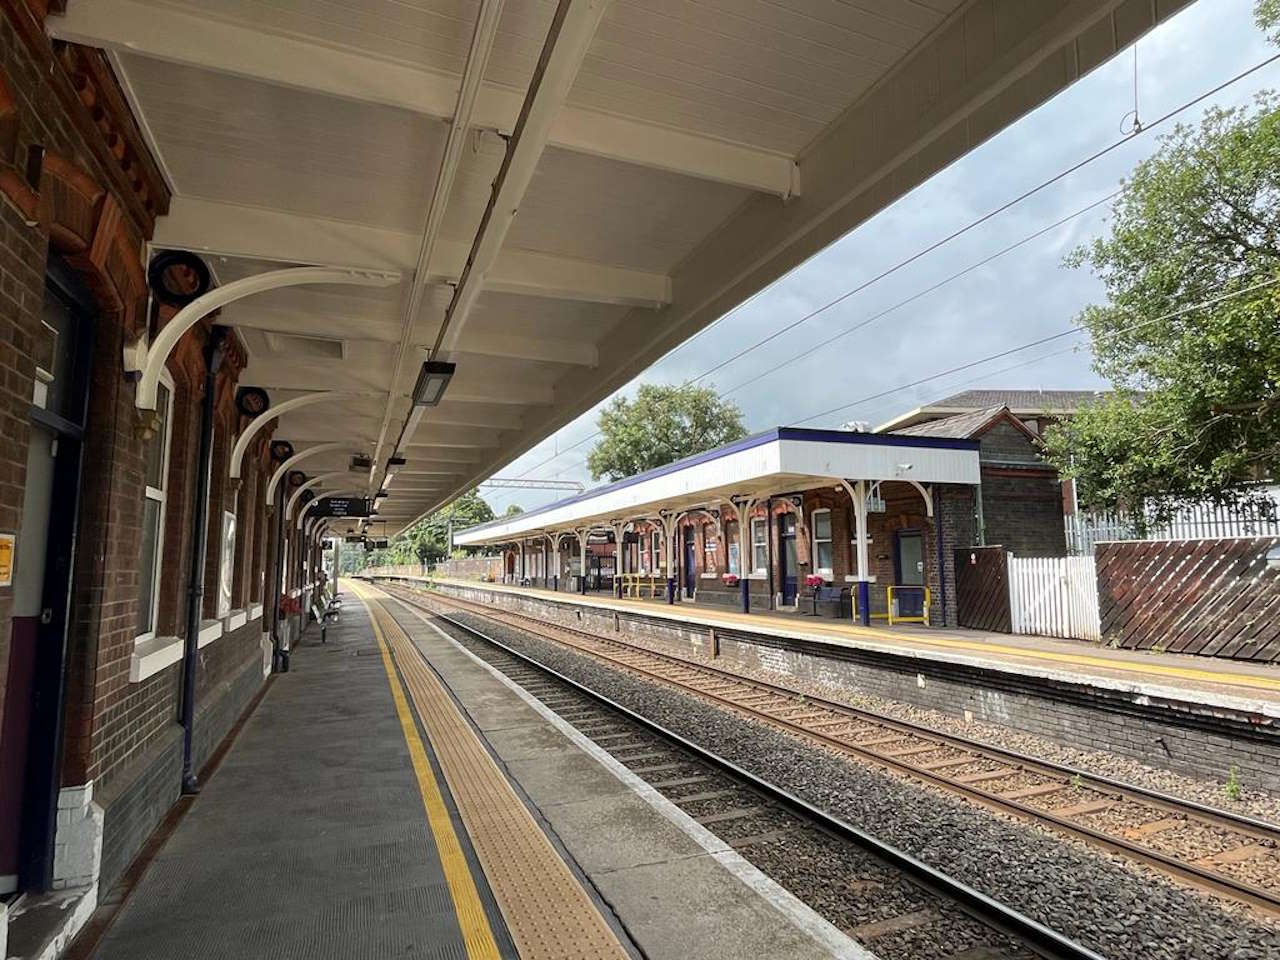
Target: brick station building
x=97, y=499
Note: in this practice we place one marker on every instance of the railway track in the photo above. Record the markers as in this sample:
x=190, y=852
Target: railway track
x=893, y=903
x=1214, y=850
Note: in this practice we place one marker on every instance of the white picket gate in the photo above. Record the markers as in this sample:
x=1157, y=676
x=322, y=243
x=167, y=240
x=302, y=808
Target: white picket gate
x=1054, y=597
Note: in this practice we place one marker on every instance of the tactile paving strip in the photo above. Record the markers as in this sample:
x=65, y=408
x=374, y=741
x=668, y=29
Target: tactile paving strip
x=549, y=915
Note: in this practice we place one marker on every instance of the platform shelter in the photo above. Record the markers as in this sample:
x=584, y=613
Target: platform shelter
x=862, y=524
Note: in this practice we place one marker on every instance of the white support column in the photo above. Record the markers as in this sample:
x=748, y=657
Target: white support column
x=582, y=557
x=746, y=563
x=858, y=493
x=619, y=528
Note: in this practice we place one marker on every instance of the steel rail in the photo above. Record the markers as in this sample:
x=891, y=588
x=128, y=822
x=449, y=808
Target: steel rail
x=1043, y=939
x=1188, y=871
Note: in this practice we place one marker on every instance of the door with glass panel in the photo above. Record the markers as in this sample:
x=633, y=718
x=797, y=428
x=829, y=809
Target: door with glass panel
x=787, y=558
x=43, y=558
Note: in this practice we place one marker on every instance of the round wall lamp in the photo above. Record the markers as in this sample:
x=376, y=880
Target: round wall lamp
x=281, y=450
x=251, y=401
x=177, y=277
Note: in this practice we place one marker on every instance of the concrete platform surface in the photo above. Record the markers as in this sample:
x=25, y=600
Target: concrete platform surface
x=310, y=840
x=680, y=891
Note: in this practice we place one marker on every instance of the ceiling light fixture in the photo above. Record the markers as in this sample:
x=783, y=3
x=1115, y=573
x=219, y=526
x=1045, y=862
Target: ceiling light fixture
x=433, y=378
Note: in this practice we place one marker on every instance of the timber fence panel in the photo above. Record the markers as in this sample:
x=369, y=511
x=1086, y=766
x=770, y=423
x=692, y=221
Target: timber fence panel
x=1209, y=597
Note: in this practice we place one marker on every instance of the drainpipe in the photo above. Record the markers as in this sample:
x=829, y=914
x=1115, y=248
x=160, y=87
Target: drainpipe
x=279, y=658
x=215, y=351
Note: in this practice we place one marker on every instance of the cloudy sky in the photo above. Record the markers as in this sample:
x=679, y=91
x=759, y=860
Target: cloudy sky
x=1016, y=298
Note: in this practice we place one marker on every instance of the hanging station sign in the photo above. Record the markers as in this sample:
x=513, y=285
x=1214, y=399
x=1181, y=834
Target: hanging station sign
x=341, y=507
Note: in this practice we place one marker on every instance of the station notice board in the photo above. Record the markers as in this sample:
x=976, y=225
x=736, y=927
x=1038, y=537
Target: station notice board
x=341, y=507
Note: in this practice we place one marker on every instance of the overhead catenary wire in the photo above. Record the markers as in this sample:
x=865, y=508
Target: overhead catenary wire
x=1078, y=328
x=935, y=245
x=991, y=214
x=922, y=293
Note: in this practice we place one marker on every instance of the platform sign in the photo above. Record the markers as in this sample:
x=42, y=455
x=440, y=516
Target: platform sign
x=341, y=507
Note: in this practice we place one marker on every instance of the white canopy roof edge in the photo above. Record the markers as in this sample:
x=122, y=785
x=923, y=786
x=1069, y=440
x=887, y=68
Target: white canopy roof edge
x=781, y=460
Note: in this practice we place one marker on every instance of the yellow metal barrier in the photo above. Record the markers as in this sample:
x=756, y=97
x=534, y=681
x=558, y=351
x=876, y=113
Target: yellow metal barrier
x=634, y=583
x=924, y=609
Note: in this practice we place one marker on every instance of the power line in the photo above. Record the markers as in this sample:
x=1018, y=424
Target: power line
x=925, y=292
x=1007, y=205
x=1181, y=311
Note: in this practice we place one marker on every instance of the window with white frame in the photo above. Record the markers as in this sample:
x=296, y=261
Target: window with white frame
x=153, y=504
x=733, y=547
x=226, y=564
x=656, y=550
x=708, y=548
x=822, y=554
x=759, y=546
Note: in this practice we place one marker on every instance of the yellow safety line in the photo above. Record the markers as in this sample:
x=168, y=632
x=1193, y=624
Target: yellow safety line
x=473, y=922
x=847, y=633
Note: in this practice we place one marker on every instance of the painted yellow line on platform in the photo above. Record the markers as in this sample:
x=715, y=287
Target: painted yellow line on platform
x=1221, y=678
x=472, y=920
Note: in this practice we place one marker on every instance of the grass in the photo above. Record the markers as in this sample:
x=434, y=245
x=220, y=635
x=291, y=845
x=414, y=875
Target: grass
x=1233, y=788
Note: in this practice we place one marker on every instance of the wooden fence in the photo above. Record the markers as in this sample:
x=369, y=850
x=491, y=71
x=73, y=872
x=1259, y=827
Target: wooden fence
x=1054, y=597
x=1214, y=598
x=982, y=589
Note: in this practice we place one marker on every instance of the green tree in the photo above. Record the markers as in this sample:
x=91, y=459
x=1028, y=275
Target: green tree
x=1267, y=13
x=513, y=510
x=662, y=425
x=1196, y=411
x=427, y=541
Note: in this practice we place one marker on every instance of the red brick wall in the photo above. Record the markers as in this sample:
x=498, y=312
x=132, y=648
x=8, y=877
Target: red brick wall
x=65, y=209
x=22, y=256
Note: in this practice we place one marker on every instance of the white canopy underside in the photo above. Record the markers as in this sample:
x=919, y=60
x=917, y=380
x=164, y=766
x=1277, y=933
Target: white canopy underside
x=678, y=156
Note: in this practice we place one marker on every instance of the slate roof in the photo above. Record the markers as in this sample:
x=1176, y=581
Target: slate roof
x=1020, y=401
x=963, y=426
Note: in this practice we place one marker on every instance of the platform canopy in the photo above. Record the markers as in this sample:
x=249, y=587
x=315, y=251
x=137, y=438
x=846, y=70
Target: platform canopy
x=784, y=460
x=560, y=193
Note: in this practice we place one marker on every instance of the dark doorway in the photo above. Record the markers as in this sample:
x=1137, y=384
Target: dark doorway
x=908, y=568
x=787, y=558
x=31, y=740
x=690, y=561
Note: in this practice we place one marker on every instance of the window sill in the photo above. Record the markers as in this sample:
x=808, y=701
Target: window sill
x=852, y=578
x=708, y=576
x=152, y=655
x=758, y=576
x=210, y=630
x=255, y=611
x=235, y=620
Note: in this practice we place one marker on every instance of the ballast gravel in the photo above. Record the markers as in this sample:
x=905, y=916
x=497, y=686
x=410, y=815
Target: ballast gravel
x=1117, y=908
